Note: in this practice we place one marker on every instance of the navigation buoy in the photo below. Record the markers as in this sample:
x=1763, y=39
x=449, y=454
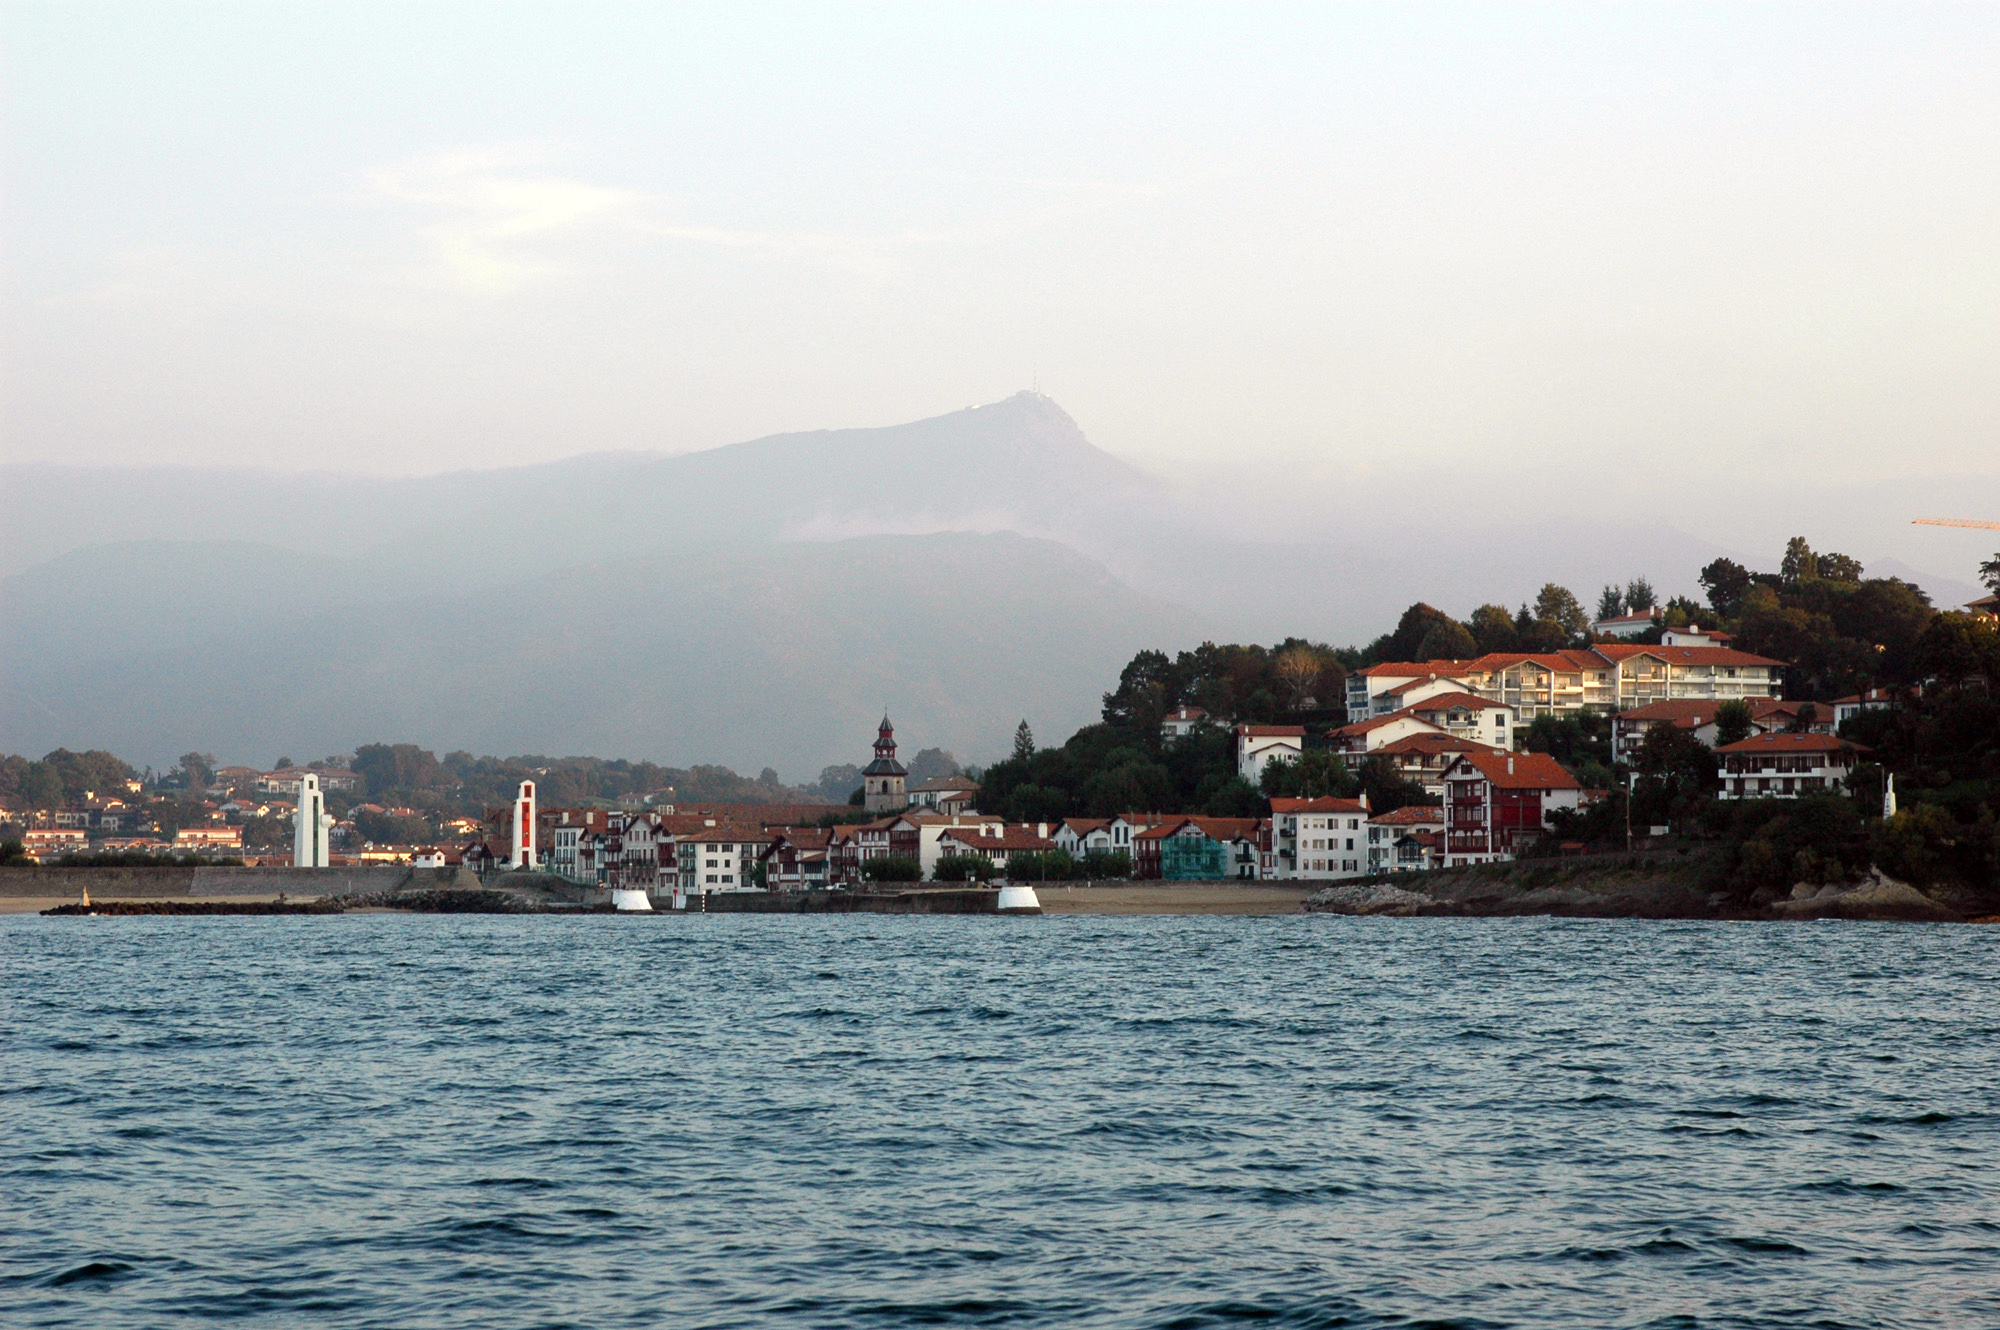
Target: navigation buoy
x=630, y=901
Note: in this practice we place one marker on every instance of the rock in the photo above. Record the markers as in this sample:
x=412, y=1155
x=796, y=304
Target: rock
x=1367, y=898
x=1876, y=896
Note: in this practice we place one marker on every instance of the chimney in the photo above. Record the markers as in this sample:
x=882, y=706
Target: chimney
x=1510, y=764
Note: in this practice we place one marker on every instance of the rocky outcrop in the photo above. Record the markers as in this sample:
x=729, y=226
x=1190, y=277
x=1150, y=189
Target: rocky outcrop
x=1375, y=897
x=1876, y=896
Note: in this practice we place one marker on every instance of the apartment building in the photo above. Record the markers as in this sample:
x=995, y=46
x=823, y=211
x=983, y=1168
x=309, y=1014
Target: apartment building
x=1785, y=766
x=1405, y=841
x=1320, y=839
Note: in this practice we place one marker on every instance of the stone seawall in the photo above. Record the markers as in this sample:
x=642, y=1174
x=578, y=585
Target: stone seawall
x=973, y=901
x=169, y=883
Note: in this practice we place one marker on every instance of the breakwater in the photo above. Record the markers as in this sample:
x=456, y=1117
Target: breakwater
x=168, y=882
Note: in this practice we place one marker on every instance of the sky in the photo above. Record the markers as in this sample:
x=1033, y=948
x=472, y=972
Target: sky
x=1643, y=246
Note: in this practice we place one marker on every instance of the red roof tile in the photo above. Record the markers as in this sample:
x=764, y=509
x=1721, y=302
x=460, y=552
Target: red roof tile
x=1519, y=771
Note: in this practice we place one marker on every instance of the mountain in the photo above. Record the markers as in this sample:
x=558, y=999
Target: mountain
x=751, y=604
x=786, y=654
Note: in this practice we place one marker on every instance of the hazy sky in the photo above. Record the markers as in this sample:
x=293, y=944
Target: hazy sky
x=1654, y=242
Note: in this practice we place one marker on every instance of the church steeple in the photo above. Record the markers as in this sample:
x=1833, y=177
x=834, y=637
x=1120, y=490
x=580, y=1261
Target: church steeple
x=885, y=782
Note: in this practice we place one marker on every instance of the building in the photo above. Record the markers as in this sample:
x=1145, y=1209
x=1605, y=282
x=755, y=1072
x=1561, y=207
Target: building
x=1195, y=849
x=1986, y=607
x=884, y=781
x=42, y=842
x=1376, y=690
x=949, y=795
x=1180, y=723
x=1319, y=839
x=1785, y=766
x=1626, y=625
x=1257, y=746
x=1496, y=804
x=1847, y=708
x=1422, y=758
x=996, y=843
x=799, y=859
x=1767, y=715
x=1405, y=841
x=1468, y=716
x=209, y=838
x=1694, y=635
x=286, y=780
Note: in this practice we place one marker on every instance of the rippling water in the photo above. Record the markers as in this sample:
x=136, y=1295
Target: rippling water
x=855, y=1121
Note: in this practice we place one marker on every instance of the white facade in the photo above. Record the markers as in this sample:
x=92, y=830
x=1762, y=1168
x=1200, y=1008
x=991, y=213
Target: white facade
x=1321, y=839
x=1257, y=746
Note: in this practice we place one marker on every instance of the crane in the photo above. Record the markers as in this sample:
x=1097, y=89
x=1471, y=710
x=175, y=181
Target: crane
x=1956, y=521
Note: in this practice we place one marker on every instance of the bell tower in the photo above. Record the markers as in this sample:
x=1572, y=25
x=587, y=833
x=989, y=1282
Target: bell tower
x=885, y=782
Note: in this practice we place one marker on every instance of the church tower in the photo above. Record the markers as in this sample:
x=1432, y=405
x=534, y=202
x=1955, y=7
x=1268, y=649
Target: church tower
x=885, y=782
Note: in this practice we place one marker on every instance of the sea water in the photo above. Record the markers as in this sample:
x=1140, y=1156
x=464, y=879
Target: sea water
x=866, y=1121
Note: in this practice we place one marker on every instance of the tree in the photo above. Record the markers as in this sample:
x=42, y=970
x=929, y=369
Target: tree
x=1725, y=581
x=1024, y=742
x=199, y=769
x=1315, y=772
x=1800, y=564
x=1556, y=608
x=932, y=764
x=1492, y=628
x=1639, y=596
x=1610, y=603
x=1957, y=647
x=1411, y=629
x=1235, y=799
x=1732, y=723
x=1147, y=688
x=1447, y=639
x=1838, y=568
x=1299, y=668
x=962, y=868
x=1989, y=573
x=893, y=868
x=1802, y=723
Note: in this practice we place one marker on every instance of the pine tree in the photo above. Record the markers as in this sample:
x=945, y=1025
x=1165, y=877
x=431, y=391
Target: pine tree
x=1024, y=742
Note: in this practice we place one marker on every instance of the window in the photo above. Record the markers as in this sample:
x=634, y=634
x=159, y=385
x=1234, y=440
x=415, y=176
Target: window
x=711, y=877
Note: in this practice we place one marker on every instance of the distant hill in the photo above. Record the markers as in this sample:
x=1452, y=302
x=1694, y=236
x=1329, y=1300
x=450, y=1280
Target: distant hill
x=785, y=655
x=752, y=604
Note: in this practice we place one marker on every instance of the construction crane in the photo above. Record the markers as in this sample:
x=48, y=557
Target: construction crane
x=1956, y=521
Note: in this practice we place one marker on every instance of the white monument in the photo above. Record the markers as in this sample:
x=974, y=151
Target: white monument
x=523, y=855
x=310, y=824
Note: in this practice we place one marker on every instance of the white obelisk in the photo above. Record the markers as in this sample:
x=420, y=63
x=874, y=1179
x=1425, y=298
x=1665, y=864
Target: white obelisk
x=310, y=825
x=1889, y=796
x=524, y=827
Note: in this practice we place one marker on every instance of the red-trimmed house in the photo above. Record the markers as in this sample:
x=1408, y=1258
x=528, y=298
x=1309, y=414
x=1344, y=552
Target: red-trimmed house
x=1497, y=803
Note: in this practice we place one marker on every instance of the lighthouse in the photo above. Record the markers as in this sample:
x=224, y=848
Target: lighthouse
x=310, y=825
x=523, y=855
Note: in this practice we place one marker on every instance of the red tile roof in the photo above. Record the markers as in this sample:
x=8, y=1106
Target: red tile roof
x=1272, y=731
x=1446, y=701
x=1519, y=771
x=1429, y=743
x=1791, y=743
x=1398, y=669
x=1686, y=655
x=1411, y=815
x=1011, y=840
x=1324, y=803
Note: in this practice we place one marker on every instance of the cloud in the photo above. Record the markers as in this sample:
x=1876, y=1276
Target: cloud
x=495, y=225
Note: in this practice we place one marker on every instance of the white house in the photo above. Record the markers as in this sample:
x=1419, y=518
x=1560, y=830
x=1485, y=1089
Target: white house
x=1180, y=723
x=1320, y=839
x=1257, y=746
x=1626, y=625
x=1785, y=766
